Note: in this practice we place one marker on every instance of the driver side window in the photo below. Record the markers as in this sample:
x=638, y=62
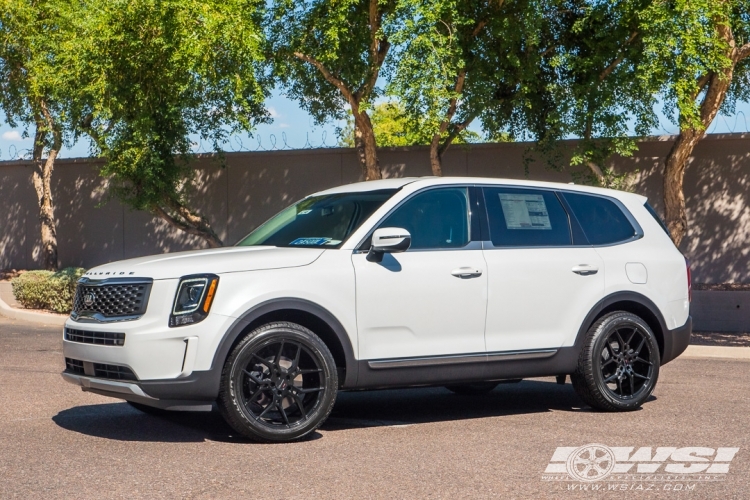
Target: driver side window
x=437, y=218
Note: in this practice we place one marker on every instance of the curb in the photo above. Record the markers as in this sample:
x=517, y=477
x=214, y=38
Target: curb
x=31, y=317
x=714, y=351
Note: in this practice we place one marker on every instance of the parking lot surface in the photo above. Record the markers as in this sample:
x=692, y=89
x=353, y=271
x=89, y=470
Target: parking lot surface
x=59, y=442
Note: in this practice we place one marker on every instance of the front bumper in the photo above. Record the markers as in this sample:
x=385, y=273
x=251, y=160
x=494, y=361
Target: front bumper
x=676, y=341
x=132, y=391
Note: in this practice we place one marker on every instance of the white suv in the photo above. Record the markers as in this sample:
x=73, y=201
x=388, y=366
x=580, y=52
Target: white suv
x=461, y=282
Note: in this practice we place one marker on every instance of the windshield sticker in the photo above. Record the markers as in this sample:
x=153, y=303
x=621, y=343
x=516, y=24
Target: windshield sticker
x=304, y=212
x=525, y=211
x=310, y=241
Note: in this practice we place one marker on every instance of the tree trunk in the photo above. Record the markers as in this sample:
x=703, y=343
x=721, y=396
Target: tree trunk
x=436, y=160
x=42, y=179
x=182, y=218
x=364, y=138
x=676, y=161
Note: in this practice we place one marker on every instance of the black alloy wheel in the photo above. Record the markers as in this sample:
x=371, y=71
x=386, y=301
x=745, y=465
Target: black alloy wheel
x=279, y=383
x=619, y=364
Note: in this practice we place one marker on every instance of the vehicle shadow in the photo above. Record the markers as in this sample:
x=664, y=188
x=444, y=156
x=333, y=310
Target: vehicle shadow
x=353, y=410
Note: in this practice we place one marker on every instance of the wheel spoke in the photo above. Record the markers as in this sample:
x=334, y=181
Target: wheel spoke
x=641, y=376
x=283, y=413
x=619, y=338
x=609, y=349
x=268, y=407
x=278, y=355
x=610, y=378
x=309, y=390
x=255, y=395
x=300, y=404
x=640, y=346
x=630, y=340
x=644, y=361
x=619, y=386
x=610, y=360
x=309, y=370
x=632, y=385
x=267, y=363
x=295, y=363
x=253, y=377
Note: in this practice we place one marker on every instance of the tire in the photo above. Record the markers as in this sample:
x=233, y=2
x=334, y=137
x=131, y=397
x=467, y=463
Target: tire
x=619, y=363
x=278, y=384
x=475, y=389
x=151, y=410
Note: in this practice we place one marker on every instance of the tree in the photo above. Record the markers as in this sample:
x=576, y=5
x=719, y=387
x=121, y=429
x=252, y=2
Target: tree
x=36, y=90
x=698, y=50
x=392, y=128
x=329, y=56
x=599, y=57
x=159, y=74
x=463, y=60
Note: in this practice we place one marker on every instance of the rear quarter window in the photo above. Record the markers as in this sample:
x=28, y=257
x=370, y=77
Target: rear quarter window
x=601, y=219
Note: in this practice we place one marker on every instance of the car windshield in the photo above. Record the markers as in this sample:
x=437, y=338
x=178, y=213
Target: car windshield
x=318, y=221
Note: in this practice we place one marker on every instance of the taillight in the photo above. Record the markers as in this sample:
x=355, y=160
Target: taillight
x=690, y=280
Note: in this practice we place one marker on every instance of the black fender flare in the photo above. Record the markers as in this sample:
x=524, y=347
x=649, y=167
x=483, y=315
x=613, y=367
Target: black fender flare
x=246, y=319
x=628, y=296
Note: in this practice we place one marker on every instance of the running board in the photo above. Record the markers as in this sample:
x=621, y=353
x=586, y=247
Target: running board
x=381, y=364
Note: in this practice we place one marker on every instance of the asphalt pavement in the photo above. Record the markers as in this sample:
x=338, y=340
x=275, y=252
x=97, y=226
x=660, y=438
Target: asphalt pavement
x=59, y=442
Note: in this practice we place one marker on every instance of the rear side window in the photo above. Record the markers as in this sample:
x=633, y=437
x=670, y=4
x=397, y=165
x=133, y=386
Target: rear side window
x=526, y=218
x=601, y=219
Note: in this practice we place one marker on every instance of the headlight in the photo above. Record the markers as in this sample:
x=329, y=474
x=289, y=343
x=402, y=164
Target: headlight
x=195, y=294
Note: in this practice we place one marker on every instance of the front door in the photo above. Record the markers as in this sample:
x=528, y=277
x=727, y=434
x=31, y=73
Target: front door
x=430, y=300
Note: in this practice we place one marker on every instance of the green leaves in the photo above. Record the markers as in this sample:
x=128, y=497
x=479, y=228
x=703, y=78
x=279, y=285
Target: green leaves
x=159, y=72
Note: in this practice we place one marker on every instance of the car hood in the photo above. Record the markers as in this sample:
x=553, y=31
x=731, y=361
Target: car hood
x=214, y=261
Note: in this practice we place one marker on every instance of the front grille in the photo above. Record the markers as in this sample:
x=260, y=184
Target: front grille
x=74, y=366
x=98, y=338
x=116, y=372
x=111, y=298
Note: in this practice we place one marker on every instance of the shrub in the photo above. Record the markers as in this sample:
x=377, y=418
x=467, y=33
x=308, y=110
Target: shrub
x=47, y=289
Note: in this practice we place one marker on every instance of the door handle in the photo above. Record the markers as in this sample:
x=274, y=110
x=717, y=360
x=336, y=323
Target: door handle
x=585, y=269
x=466, y=272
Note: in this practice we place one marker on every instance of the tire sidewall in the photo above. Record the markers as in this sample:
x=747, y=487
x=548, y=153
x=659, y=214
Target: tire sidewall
x=239, y=359
x=602, y=334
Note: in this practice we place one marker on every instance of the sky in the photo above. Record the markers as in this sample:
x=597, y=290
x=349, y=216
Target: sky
x=293, y=128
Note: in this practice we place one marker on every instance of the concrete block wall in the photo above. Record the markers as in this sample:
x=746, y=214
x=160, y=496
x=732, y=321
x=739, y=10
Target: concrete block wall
x=252, y=186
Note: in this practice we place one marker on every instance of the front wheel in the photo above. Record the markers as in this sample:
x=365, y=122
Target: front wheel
x=619, y=363
x=278, y=384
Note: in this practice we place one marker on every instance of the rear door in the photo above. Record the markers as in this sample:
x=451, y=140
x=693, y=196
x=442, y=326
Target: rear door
x=543, y=276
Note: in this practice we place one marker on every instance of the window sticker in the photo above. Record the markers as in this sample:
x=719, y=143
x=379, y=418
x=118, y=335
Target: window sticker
x=310, y=241
x=525, y=211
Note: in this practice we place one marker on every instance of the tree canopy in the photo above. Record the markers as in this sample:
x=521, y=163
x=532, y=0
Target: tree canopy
x=38, y=90
x=159, y=74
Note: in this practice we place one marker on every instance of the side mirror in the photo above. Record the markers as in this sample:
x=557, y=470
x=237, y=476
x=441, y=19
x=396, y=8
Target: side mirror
x=388, y=240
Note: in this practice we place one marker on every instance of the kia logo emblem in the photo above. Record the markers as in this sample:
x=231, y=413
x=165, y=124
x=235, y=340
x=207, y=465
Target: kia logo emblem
x=89, y=299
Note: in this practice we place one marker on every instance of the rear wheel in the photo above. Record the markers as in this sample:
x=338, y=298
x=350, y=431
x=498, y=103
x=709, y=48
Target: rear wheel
x=278, y=384
x=619, y=363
